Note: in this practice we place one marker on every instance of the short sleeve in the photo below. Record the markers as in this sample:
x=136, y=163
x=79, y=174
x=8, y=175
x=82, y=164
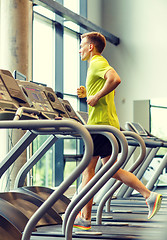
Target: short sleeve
x=101, y=67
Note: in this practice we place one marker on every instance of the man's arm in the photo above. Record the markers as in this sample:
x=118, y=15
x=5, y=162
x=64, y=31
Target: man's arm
x=112, y=81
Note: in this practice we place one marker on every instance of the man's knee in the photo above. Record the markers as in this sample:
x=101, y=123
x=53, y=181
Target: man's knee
x=89, y=171
x=117, y=175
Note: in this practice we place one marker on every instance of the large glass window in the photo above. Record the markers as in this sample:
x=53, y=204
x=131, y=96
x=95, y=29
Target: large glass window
x=43, y=51
x=71, y=82
x=43, y=171
x=158, y=127
x=71, y=62
x=72, y=5
x=71, y=145
x=45, y=70
x=158, y=115
x=71, y=79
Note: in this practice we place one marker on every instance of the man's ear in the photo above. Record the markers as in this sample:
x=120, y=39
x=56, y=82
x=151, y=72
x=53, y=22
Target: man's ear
x=91, y=46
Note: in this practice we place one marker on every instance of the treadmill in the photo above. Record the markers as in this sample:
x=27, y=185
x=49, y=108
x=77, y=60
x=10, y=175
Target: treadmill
x=130, y=204
x=128, y=232
x=111, y=230
x=42, y=117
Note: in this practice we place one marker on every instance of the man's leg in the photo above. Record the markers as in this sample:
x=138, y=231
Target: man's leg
x=83, y=219
x=130, y=179
x=124, y=176
x=153, y=200
x=87, y=175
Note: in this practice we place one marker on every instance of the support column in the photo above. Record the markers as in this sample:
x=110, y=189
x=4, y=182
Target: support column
x=15, y=49
x=15, y=35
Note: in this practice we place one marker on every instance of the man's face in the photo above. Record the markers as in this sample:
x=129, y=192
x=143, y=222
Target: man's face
x=85, y=49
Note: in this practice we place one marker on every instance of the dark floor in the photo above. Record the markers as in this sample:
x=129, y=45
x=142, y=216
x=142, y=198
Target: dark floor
x=118, y=225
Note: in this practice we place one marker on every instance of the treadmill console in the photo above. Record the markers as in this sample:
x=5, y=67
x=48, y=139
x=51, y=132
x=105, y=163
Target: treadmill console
x=83, y=116
x=5, y=98
x=70, y=111
x=13, y=88
x=136, y=127
x=16, y=93
x=11, y=96
x=38, y=98
x=55, y=102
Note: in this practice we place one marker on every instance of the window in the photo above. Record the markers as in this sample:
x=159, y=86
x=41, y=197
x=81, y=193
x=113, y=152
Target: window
x=43, y=51
x=72, y=5
x=158, y=115
x=71, y=79
x=71, y=62
x=43, y=170
x=43, y=72
x=56, y=63
x=71, y=146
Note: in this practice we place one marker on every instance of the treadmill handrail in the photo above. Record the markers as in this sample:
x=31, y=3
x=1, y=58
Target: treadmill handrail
x=103, y=179
x=35, y=128
x=16, y=151
x=93, y=181
x=80, y=129
x=22, y=110
x=118, y=183
x=158, y=172
x=139, y=172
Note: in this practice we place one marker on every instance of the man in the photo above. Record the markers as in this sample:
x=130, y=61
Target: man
x=101, y=82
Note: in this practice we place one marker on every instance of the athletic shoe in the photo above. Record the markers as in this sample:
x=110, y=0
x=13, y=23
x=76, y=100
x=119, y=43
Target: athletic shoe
x=154, y=203
x=81, y=223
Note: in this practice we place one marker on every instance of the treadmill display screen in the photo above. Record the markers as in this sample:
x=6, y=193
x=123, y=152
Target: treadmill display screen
x=35, y=94
x=38, y=99
x=139, y=129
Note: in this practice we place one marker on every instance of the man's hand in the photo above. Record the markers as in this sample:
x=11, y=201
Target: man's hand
x=92, y=100
x=81, y=92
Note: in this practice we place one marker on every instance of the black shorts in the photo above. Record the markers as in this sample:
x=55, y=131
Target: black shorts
x=102, y=145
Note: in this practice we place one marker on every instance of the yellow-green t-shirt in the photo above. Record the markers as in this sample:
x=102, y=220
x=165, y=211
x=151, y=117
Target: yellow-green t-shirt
x=104, y=112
